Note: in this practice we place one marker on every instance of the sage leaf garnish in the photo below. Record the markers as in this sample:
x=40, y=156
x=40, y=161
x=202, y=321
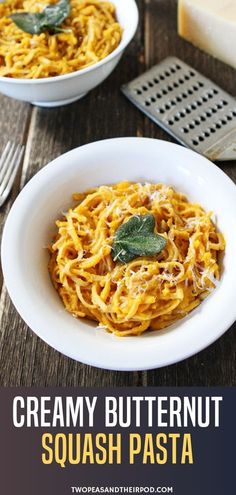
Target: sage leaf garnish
x=48, y=20
x=136, y=238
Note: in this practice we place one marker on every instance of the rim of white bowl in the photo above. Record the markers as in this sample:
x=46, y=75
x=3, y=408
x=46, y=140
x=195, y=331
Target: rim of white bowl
x=123, y=44
x=219, y=325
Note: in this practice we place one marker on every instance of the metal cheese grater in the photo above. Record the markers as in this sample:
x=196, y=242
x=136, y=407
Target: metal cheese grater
x=188, y=106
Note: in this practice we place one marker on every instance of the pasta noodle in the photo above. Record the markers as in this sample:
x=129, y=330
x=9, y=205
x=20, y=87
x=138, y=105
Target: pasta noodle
x=148, y=292
x=92, y=33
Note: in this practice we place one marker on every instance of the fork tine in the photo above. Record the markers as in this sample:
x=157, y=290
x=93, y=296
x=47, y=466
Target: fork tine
x=4, y=154
x=11, y=159
x=6, y=158
x=15, y=168
x=8, y=181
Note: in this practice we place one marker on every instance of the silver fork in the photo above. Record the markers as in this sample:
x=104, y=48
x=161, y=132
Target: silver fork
x=9, y=164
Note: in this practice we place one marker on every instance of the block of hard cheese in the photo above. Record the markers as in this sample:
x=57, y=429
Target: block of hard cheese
x=211, y=26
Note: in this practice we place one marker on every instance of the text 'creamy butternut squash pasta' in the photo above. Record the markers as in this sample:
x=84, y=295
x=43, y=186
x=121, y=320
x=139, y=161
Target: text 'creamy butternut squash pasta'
x=134, y=257
x=50, y=38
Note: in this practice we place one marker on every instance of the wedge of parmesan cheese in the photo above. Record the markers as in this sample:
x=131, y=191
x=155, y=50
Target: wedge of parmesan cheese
x=211, y=26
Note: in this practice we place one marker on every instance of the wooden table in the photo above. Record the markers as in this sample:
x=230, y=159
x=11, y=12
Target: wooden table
x=25, y=359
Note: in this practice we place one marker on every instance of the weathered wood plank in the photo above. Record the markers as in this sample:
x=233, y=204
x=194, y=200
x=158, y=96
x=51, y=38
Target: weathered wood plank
x=14, y=121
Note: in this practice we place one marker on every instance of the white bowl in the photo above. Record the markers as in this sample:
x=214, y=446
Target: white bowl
x=60, y=90
x=30, y=227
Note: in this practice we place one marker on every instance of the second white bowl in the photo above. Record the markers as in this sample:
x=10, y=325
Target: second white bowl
x=60, y=90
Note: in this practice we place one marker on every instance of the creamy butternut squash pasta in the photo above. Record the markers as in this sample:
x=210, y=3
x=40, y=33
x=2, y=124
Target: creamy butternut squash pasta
x=88, y=34
x=138, y=292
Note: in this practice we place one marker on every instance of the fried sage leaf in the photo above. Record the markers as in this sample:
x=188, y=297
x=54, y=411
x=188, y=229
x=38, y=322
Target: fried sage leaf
x=48, y=20
x=136, y=238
